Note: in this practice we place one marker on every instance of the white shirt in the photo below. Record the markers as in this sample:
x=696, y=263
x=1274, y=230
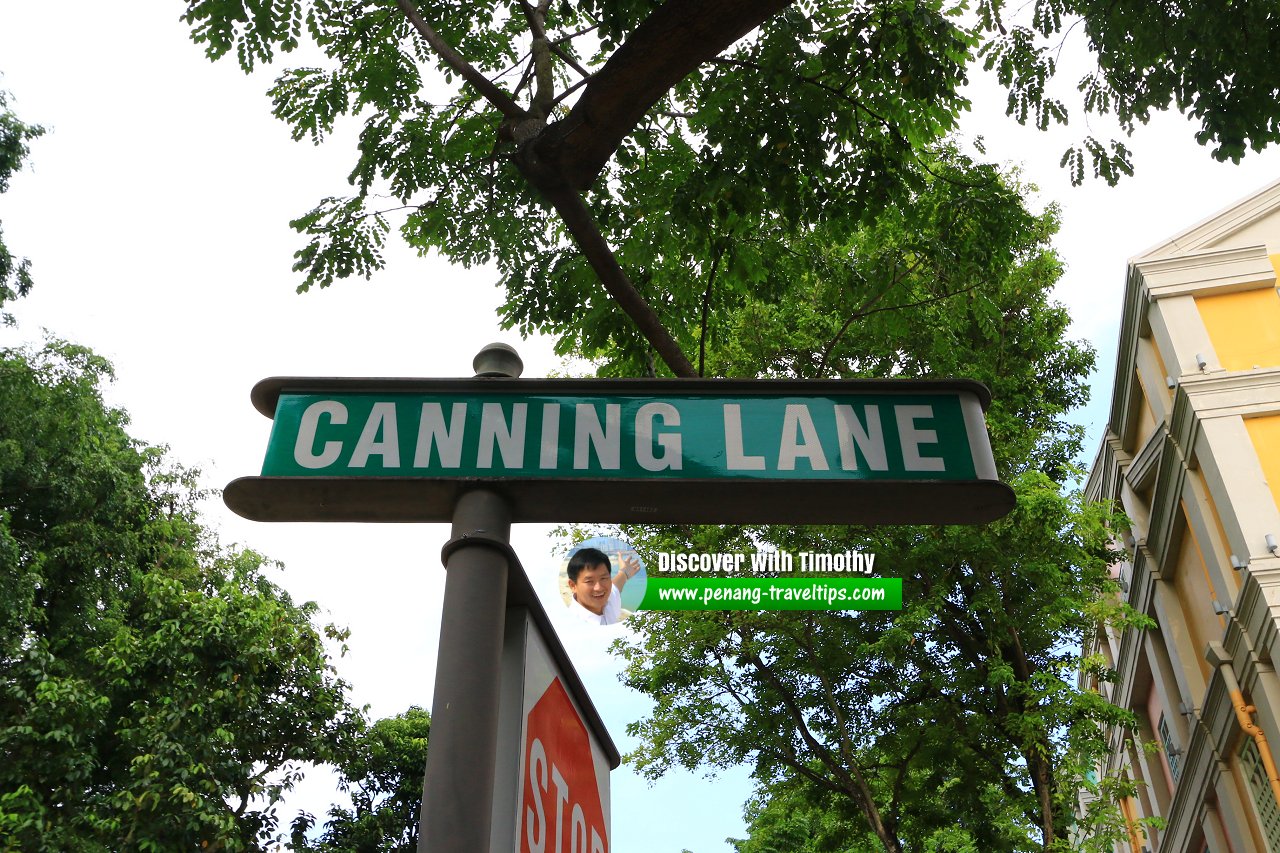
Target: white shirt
x=612, y=609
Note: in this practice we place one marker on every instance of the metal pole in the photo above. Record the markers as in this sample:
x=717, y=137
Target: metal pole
x=457, y=796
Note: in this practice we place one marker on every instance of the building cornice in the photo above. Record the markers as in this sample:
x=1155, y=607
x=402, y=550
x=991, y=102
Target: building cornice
x=1239, y=393
x=1206, y=273
x=1146, y=462
x=1133, y=324
x=1165, y=504
x=1148, y=281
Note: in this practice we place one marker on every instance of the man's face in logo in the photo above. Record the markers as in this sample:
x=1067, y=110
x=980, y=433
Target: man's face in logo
x=592, y=588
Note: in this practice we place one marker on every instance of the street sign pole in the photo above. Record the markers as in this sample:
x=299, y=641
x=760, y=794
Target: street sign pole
x=457, y=797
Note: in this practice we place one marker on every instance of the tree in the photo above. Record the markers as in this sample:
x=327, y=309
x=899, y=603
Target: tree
x=955, y=723
x=382, y=771
x=15, y=272
x=793, y=818
x=157, y=691
x=953, y=720
x=665, y=150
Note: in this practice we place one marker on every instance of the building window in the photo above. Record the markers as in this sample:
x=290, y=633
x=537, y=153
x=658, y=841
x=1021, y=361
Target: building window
x=1171, y=751
x=1263, y=798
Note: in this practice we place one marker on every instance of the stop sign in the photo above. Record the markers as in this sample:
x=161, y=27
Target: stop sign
x=561, y=810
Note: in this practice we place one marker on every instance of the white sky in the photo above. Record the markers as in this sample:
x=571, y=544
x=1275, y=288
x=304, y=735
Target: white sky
x=156, y=213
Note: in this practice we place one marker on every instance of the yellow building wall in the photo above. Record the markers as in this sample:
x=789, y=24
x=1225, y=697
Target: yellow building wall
x=1264, y=432
x=1146, y=415
x=1244, y=327
x=1234, y=577
x=1164, y=367
x=1195, y=599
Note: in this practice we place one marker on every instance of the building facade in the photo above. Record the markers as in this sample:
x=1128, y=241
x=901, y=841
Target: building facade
x=1192, y=454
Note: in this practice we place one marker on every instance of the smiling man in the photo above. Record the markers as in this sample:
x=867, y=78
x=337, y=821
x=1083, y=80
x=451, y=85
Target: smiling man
x=597, y=597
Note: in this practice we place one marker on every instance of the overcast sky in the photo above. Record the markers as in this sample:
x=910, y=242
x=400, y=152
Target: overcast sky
x=156, y=213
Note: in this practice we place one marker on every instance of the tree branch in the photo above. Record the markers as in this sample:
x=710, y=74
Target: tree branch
x=671, y=42
x=569, y=91
x=790, y=760
x=828, y=692
x=706, y=305
x=938, y=298
x=500, y=99
x=569, y=60
x=861, y=312
x=885, y=828
x=582, y=227
x=566, y=157
x=571, y=36
x=1036, y=751
x=537, y=19
x=855, y=785
x=544, y=93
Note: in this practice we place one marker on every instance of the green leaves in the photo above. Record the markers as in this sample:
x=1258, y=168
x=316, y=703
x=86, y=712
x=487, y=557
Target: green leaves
x=788, y=207
x=15, y=272
x=1025, y=68
x=157, y=691
x=382, y=770
x=1201, y=57
x=14, y=136
x=348, y=240
x=310, y=100
x=937, y=723
x=477, y=114
x=1108, y=165
x=254, y=29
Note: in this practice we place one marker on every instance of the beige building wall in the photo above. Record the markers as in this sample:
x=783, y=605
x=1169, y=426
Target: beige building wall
x=1192, y=455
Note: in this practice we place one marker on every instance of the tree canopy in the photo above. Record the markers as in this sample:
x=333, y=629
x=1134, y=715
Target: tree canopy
x=956, y=723
x=15, y=272
x=157, y=690
x=630, y=166
x=382, y=772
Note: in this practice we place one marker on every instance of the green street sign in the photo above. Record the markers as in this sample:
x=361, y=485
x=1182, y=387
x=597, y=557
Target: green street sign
x=851, y=451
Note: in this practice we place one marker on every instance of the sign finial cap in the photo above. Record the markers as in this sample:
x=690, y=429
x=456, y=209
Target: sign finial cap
x=498, y=359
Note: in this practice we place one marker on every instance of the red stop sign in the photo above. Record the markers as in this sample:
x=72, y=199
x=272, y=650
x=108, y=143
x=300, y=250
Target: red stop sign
x=560, y=811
